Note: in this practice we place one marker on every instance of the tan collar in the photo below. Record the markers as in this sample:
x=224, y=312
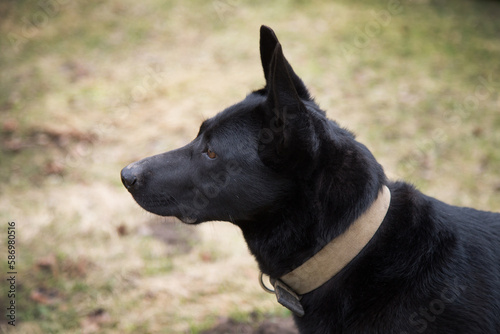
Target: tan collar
x=340, y=251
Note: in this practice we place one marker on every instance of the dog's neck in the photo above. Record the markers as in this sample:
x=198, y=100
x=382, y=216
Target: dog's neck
x=292, y=243
x=333, y=257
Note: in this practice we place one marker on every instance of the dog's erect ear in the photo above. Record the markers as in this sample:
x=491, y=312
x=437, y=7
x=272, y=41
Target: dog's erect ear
x=286, y=129
x=282, y=92
x=268, y=43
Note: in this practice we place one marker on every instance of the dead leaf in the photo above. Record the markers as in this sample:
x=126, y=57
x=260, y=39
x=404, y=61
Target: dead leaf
x=122, y=230
x=54, y=168
x=44, y=296
x=94, y=320
x=78, y=268
x=10, y=125
x=48, y=263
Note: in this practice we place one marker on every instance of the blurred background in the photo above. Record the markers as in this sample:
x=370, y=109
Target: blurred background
x=87, y=87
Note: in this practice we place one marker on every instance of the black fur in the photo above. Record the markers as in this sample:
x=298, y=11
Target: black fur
x=293, y=180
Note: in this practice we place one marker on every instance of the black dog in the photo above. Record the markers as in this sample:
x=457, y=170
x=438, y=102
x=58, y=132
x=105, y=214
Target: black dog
x=347, y=250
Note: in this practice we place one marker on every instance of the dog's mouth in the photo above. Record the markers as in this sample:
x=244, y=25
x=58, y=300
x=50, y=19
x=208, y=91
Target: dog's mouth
x=189, y=220
x=159, y=204
x=164, y=205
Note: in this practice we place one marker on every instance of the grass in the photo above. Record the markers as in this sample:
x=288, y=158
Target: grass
x=88, y=87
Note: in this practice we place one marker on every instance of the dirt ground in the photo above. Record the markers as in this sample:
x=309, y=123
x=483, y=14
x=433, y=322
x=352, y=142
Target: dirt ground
x=268, y=326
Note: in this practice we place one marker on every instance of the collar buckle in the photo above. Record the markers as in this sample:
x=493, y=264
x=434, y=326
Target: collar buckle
x=285, y=295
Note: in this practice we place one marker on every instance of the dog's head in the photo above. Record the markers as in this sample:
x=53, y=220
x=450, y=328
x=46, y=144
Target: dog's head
x=248, y=159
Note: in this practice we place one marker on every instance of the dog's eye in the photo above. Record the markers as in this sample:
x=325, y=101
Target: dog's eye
x=211, y=154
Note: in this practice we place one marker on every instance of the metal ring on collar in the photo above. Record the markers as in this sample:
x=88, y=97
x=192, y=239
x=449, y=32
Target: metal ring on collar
x=261, y=281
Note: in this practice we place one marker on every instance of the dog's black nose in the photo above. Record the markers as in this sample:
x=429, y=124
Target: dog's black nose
x=129, y=178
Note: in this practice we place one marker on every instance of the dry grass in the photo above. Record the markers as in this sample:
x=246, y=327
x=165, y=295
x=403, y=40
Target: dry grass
x=95, y=85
